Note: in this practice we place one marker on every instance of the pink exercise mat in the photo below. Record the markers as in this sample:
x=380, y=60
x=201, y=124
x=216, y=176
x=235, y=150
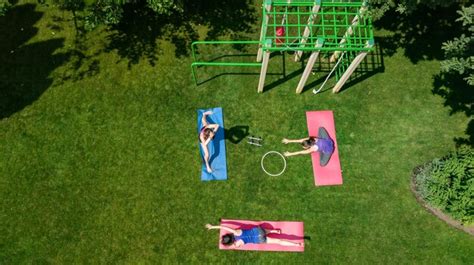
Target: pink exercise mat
x=292, y=231
x=330, y=174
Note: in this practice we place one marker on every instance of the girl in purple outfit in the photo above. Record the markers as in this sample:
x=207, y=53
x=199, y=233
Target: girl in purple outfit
x=322, y=144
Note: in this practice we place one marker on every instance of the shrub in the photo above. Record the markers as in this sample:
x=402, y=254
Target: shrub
x=4, y=6
x=448, y=184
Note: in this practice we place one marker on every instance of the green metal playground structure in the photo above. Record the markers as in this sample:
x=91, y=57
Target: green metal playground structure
x=341, y=29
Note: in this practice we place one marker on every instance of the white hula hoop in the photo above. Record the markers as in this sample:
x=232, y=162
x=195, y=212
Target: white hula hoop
x=284, y=163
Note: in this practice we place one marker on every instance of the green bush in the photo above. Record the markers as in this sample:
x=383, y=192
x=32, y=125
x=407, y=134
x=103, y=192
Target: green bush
x=448, y=184
x=4, y=6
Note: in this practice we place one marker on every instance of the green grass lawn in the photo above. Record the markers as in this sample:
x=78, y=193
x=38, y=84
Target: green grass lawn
x=101, y=164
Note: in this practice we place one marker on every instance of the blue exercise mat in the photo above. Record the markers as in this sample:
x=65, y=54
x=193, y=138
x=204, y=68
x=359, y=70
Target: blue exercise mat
x=216, y=147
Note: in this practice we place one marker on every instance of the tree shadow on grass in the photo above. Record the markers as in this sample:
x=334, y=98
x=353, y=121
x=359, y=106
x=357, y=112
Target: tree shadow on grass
x=24, y=67
x=222, y=16
x=80, y=64
x=459, y=96
x=470, y=136
x=137, y=36
x=422, y=32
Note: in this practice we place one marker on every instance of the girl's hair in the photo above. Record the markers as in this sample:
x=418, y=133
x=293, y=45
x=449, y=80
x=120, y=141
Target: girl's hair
x=308, y=142
x=207, y=133
x=228, y=239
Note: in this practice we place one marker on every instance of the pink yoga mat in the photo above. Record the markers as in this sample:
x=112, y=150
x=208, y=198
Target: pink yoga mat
x=292, y=231
x=331, y=173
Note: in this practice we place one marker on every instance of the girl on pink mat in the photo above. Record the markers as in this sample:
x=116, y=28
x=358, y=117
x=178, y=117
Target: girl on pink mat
x=254, y=235
x=322, y=144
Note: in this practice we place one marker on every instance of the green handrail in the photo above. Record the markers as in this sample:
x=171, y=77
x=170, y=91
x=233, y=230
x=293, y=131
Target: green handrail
x=195, y=43
x=224, y=64
x=311, y=3
x=330, y=49
x=200, y=63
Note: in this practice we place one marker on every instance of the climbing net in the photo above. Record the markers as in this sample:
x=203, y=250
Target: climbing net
x=286, y=21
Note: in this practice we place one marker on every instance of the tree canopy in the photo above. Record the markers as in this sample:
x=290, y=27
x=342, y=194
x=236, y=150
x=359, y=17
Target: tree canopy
x=4, y=6
x=459, y=51
x=380, y=7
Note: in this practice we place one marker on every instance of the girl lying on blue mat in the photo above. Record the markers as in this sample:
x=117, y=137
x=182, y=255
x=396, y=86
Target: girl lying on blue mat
x=254, y=235
x=322, y=144
x=206, y=134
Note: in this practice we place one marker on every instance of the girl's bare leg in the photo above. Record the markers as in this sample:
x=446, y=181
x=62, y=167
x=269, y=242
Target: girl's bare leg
x=272, y=231
x=283, y=242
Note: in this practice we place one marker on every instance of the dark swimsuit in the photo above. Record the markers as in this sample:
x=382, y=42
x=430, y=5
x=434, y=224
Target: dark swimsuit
x=255, y=235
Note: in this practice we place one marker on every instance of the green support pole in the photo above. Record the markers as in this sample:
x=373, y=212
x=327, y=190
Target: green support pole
x=263, y=71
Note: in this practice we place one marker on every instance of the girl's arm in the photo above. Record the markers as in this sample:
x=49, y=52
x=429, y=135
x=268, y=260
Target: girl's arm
x=286, y=141
x=204, y=120
x=213, y=127
x=228, y=229
x=304, y=152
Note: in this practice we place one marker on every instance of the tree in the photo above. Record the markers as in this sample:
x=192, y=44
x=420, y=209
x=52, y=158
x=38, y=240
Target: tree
x=165, y=7
x=106, y=12
x=380, y=7
x=110, y=12
x=71, y=5
x=459, y=52
x=4, y=6
x=408, y=6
